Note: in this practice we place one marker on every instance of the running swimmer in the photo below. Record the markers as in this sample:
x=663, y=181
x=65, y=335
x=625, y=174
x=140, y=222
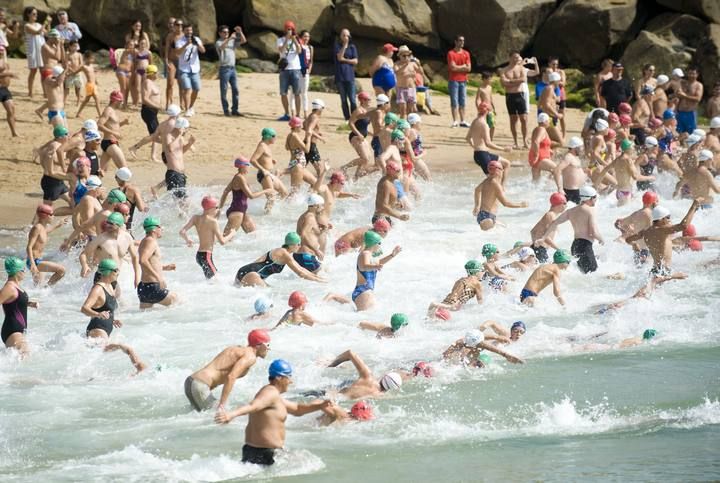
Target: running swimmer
x=37, y=239
x=387, y=195
x=313, y=236
x=208, y=230
x=152, y=288
x=15, y=303
x=543, y=276
x=353, y=239
x=569, y=175
x=500, y=334
x=237, y=215
x=297, y=314
x=267, y=175
x=109, y=125
x=638, y=221
x=478, y=137
x=397, y=322
x=558, y=203
x=495, y=277
x=298, y=145
x=463, y=290
x=487, y=195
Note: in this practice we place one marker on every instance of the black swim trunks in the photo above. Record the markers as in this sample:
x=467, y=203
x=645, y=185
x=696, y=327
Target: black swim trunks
x=376, y=146
x=260, y=177
x=540, y=253
x=149, y=116
x=258, y=456
x=572, y=195
x=313, y=155
x=52, y=188
x=151, y=293
x=515, y=103
x=5, y=94
x=205, y=260
x=483, y=158
x=582, y=249
x=106, y=143
x=175, y=182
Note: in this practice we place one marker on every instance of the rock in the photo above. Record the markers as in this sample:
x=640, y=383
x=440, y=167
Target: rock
x=94, y=16
x=265, y=43
x=709, y=9
x=313, y=15
x=677, y=28
x=436, y=70
x=397, y=21
x=245, y=53
x=494, y=31
x=367, y=51
x=229, y=12
x=45, y=6
x=707, y=57
x=322, y=54
x=583, y=32
x=327, y=84
x=257, y=65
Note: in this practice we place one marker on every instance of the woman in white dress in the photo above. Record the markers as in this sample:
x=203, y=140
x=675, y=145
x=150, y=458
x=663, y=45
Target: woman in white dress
x=34, y=40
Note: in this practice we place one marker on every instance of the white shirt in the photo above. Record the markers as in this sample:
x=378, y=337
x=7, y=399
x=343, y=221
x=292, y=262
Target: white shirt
x=290, y=53
x=189, y=60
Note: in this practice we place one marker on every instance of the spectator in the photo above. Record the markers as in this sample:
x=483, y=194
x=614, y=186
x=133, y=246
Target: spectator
x=712, y=108
x=225, y=47
x=68, y=30
x=345, y=58
x=289, y=49
x=175, y=27
x=604, y=74
x=382, y=73
x=458, y=60
x=34, y=40
x=135, y=34
x=7, y=32
x=306, y=64
x=188, y=49
x=616, y=89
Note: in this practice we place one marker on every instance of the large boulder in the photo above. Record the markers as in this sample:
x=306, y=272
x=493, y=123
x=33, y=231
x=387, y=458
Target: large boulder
x=229, y=12
x=313, y=15
x=494, y=31
x=707, y=57
x=397, y=21
x=709, y=9
x=257, y=65
x=583, y=32
x=265, y=42
x=108, y=22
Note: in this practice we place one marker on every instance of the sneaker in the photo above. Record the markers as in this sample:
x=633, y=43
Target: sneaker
x=454, y=124
x=464, y=124
x=190, y=112
x=226, y=113
x=238, y=114
x=284, y=117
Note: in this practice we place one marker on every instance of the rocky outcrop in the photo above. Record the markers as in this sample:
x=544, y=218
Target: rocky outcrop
x=583, y=32
x=397, y=21
x=709, y=9
x=229, y=12
x=313, y=15
x=707, y=57
x=265, y=43
x=494, y=31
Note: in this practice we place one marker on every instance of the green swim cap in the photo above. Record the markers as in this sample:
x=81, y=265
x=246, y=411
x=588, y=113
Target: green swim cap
x=397, y=134
x=116, y=219
x=561, y=256
x=268, y=133
x=116, y=196
x=484, y=358
x=488, y=250
x=150, y=223
x=472, y=267
x=402, y=124
x=106, y=266
x=398, y=320
x=60, y=131
x=626, y=144
x=292, y=238
x=371, y=238
x=13, y=265
x=391, y=118
x=649, y=334
x=518, y=244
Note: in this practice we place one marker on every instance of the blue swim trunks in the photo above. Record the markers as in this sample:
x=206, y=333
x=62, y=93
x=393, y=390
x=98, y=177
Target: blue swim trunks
x=526, y=293
x=485, y=215
x=52, y=114
x=686, y=121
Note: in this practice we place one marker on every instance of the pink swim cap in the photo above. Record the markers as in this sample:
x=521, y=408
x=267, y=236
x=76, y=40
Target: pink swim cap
x=208, y=203
x=241, y=161
x=295, y=122
x=443, y=314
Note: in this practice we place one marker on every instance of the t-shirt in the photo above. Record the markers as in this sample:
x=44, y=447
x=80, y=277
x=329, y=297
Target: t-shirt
x=344, y=72
x=290, y=53
x=189, y=60
x=458, y=58
x=615, y=92
x=69, y=32
x=227, y=54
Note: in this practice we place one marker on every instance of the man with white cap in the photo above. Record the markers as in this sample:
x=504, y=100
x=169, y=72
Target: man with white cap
x=469, y=349
x=689, y=94
x=53, y=55
x=569, y=174
x=549, y=100
x=173, y=111
x=312, y=131
x=54, y=168
x=617, y=89
x=712, y=142
x=366, y=385
x=174, y=149
x=699, y=180
x=313, y=236
x=109, y=124
x=132, y=193
x=377, y=119
x=405, y=71
x=660, y=99
x=582, y=218
x=54, y=91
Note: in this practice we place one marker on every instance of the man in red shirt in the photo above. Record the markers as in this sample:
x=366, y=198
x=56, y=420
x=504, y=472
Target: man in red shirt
x=458, y=60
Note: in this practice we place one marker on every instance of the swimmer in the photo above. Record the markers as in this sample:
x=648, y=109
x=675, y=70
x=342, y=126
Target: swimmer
x=298, y=145
x=267, y=412
x=377, y=120
x=174, y=149
x=366, y=385
x=543, y=276
x=490, y=267
x=478, y=137
x=638, y=221
x=93, y=226
x=274, y=261
x=358, y=137
x=397, y=322
x=132, y=193
x=690, y=241
x=700, y=180
x=311, y=125
x=463, y=290
x=109, y=125
x=208, y=230
x=526, y=260
x=646, y=337
x=262, y=308
x=626, y=173
x=568, y=174
x=488, y=194
x=237, y=215
x=392, y=152
x=297, y=314
x=313, y=236
x=37, y=239
x=353, y=239
x=540, y=232
x=540, y=154
x=228, y=366
x=173, y=112
x=54, y=168
x=502, y=335
x=331, y=192
x=152, y=288
x=644, y=292
x=88, y=207
x=360, y=411
x=15, y=303
x=387, y=195
x=268, y=175
x=467, y=350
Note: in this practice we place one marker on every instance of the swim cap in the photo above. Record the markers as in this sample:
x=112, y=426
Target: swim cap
x=413, y=118
x=241, y=162
x=488, y=250
x=116, y=196
x=688, y=231
x=315, y=199
x=397, y=134
x=182, y=123
x=93, y=182
x=371, y=238
x=363, y=96
x=472, y=267
x=92, y=136
x=655, y=122
x=381, y=226
x=660, y=212
x=402, y=124
x=705, y=155
x=341, y=246
x=318, y=104
x=295, y=122
x=398, y=320
x=695, y=245
x=561, y=256
x=473, y=338
x=611, y=134
x=208, y=203
x=123, y=174
x=662, y=79
x=57, y=71
x=60, y=132
x=391, y=118
x=517, y=244
x=613, y=118
x=624, y=108
x=484, y=358
x=292, y=238
x=692, y=140
x=361, y=411
x=116, y=219
x=107, y=266
x=626, y=144
x=392, y=166
x=90, y=125
x=337, y=177
x=443, y=314
x=151, y=69
x=44, y=209
x=54, y=34
x=625, y=119
x=518, y=325
x=700, y=133
x=173, y=110
x=262, y=305
x=651, y=142
x=543, y=118
x=588, y=192
x=268, y=133
x=557, y=199
x=289, y=25
x=280, y=368
x=297, y=299
x=424, y=368
x=484, y=107
x=494, y=166
x=391, y=380
x=116, y=96
x=715, y=122
x=649, y=198
x=151, y=223
x=649, y=334
x=601, y=125
x=668, y=114
x=382, y=99
x=525, y=252
x=14, y=265
x=257, y=337
x=122, y=208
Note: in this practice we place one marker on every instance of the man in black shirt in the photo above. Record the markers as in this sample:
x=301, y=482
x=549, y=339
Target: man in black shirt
x=616, y=89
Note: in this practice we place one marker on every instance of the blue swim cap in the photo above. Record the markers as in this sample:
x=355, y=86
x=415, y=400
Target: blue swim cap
x=280, y=367
x=518, y=325
x=262, y=305
x=668, y=114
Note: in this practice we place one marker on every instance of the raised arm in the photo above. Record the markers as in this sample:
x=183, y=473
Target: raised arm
x=362, y=369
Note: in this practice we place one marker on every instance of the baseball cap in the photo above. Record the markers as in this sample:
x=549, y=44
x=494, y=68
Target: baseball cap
x=677, y=72
x=389, y=48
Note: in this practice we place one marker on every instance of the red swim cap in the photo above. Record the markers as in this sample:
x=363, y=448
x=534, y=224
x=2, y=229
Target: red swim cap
x=625, y=119
x=295, y=122
x=392, y=166
x=363, y=96
x=423, y=368
x=695, y=245
x=690, y=230
x=337, y=177
x=381, y=225
x=257, y=337
x=44, y=209
x=624, y=108
x=494, y=166
x=655, y=122
x=341, y=246
x=649, y=198
x=361, y=411
x=208, y=203
x=443, y=314
x=557, y=199
x=611, y=134
x=613, y=118
x=297, y=299
x=116, y=96
x=122, y=208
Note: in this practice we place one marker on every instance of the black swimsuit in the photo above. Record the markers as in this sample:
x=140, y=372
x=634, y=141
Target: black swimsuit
x=362, y=126
x=15, y=316
x=105, y=324
x=265, y=268
x=128, y=225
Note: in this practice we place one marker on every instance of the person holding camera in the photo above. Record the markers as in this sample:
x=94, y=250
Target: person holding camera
x=289, y=49
x=225, y=47
x=345, y=59
x=187, y=48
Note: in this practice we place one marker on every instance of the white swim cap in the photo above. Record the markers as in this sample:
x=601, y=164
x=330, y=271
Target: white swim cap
x=473, y=338
x=677, y=72
x=692, y=139
x=601, y=125
x=90, y=125
x=715, y=122
x=57, y=70
x=705, y=155
x=575, y=142
x=391, y=380
x=542, y=118
x=660, y=212
x=123, y=174
x=413, y=118
x=382, y=99
x=173, y=110
x=318, y=104
x=699, y=133
x=588, y=192
x=93, y=182
x=315, y=199
x=651, y=141
x=662, y=79
x=182, y=123
x=554, y=77
x=525, y=252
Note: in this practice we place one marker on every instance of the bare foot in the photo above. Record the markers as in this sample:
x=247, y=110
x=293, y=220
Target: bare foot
x=133, y=152
x=156, y=160
x=154, y=192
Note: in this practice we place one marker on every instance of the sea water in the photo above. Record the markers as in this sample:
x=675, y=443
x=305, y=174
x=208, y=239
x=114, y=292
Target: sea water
x=70, y=412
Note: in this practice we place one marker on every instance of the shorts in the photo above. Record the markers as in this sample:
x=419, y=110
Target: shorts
x=485, y=215
x=583, y=250
x=686, y=121
x=5, y=94
x=525, y=293
x=405, y=95
x=288, y=79
x=572, y=195
x=540, y=253
x=74, y=81
x=313, y=155
x=149, y=117
x=52, y=114
x=89, y=89
x=623, y=195
x=106, y=143
x=205, y=260
x=44, y=72
x=483, y=158
x=490, y=119
x=52, y=188
x=175, y=182
x=515, y=103
x=376, y=146
x=189, y=80
x=457, y=91
x=258, y=456
x=151, y=293
x=307, y=261
x=199, y=395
